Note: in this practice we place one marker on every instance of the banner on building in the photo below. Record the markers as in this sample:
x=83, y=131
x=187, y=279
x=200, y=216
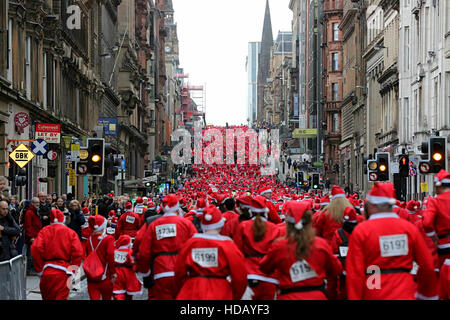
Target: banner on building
x=304, y=133
x=49, y=132
x=110, y=125
x=295, y=104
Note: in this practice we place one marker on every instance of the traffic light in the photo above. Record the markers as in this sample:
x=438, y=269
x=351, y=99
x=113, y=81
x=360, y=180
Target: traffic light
x=438, y=154
x=404, y=165
x=382, y=166
x=96, y=158
x=21, y=178
x=372, y=170
x=300, y=177
x=315, y=180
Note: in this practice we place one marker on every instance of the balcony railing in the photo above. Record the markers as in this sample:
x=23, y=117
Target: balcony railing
x=332, y=106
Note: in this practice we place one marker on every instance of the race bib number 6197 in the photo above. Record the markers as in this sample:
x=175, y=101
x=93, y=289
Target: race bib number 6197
x=394, y=245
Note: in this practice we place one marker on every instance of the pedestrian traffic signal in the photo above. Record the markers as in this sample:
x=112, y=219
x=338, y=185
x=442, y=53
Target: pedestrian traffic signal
x=382, y=166
x=96, y=158
x=300, y=177
x=438, y=159
x=404, y=165
x=21, y=178
x=315, y=180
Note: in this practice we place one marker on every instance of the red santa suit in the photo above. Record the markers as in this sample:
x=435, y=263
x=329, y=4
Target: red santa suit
x=129, y=223
x=55, y=251
x=304, y=279
x=436, y=218
x=103, y=244
x=444, y=281
x=388, y=245
x=206, y=261
x=32, y=224
x=272, y=214
x=231, y=225
x=127, y=284
x=263, y=285
x=159, y=247
x=339, y=245
x=140, y=209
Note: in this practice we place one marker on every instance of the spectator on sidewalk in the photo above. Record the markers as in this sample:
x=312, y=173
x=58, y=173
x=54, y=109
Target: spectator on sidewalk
x=14, y=208
x=32, y=226
x=44, y=209
x=61, y=206
x=9, y=232
x=4, y=192
x=76, y=217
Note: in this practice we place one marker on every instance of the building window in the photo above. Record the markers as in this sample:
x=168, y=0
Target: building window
x=44, y=81
x=335, y=31
x=335, y=91
x=406, y=119
x=335, y=122
x=28, y=68
x=406, y=48
x=9, y=65
x=335, y=61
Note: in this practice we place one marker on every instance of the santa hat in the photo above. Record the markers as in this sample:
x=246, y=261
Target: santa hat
x=139, y=200
x=442, y=177
x=128, y=205
x=258, y=205
x=244, y=201
x=324, y=201
x=350, y=214
x=170, y=203
x=295, y=211
x=85, y=211
x=99, y=223
x=111, y=195
x=201, y=204
x=264, y=190
x=56, y=216
x=124, y=242
x=382, y=193
x=212, y=218
x=151, y=205
x=316, y=206
x=337, y=192
x=111, y=213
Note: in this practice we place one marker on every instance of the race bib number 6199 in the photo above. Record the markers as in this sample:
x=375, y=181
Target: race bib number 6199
x=206, y=257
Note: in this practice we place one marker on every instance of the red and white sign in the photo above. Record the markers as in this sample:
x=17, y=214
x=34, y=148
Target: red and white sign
x=21, y=120
x=52, y=155
x=49, y=132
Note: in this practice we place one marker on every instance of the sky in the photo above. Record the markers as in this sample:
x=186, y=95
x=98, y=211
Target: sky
x=213, y=39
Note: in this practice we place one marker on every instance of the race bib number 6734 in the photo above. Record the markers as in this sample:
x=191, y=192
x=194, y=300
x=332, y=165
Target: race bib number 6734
x=206, y=257
x=394, y=245
x=166, y=231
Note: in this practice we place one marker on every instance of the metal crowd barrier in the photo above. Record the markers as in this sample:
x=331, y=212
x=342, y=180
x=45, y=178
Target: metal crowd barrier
x=13, y=283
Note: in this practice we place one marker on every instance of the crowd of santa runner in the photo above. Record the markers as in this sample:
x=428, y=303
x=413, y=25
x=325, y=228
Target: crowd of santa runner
x=194, y=244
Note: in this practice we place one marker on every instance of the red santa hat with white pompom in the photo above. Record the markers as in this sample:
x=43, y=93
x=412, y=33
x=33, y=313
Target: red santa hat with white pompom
x=171, y=203
x=212, y=218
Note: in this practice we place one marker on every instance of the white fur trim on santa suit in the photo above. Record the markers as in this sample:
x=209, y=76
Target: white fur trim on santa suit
x=262, y=278
x=324, y=203
x=265, y=191
x=217, y=225
x=211, y=236
x=128, y=246
x=174, y=209
x=443, y=246
x=430, y=234
x=381, y=215
x=143, y=275
x=164, y=275
x=56, y=266
x=447, y=262
x=380, y=200
x=169, y=214
x=339, y=195
x=422, y=297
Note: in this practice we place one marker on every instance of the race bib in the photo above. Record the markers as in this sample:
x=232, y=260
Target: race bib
x=130, y=219
x=395, y=245
x=110, y=230
x=120, y=256
x=138, y=210
x=166, y=231
x=280, y=207
x=206, y=257
x=301, y=270
x=343, y=251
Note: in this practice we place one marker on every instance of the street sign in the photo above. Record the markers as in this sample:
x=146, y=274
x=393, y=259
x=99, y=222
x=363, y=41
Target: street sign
x=373, y=176
x=122, y=165
x=304, y=133
x=52, y=155
x=109, y=124
x=49, y=132
x=424, y=187
x=82, y=168
x=84, y=154
x=75, y=152
x=21, y=155
x=71, y=177
x=39, y=147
